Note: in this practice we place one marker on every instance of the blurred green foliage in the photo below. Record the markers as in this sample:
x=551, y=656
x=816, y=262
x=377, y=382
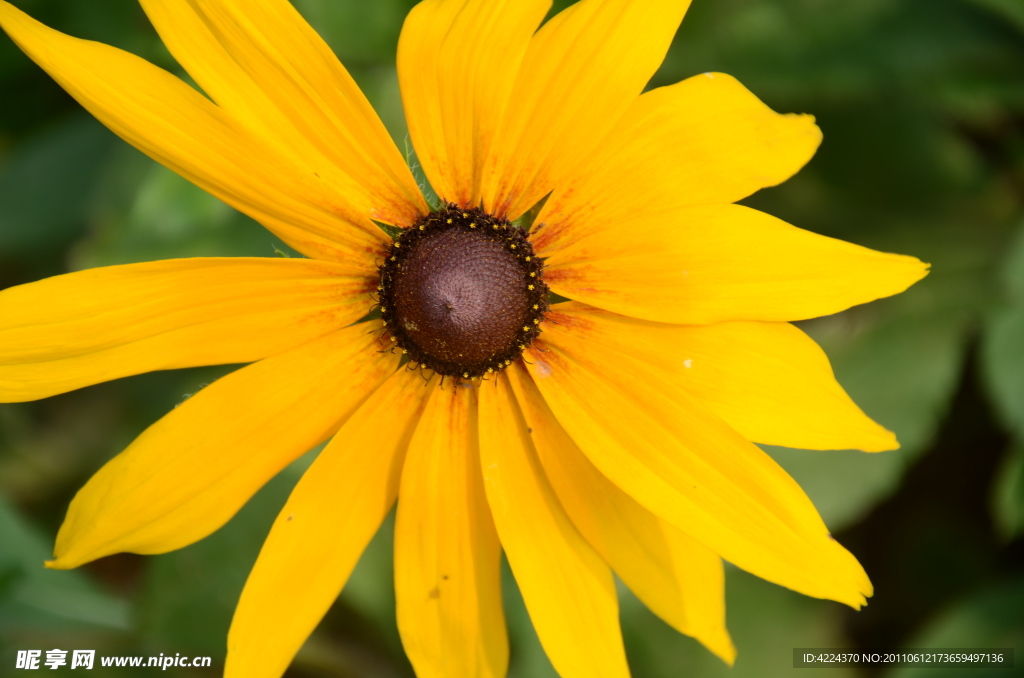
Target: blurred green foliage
x=922, y=107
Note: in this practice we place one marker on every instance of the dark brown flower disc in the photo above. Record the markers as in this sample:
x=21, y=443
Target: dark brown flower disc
x=462, y=292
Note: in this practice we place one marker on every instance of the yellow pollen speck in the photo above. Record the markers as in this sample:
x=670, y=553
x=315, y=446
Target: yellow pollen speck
x=536, y=321
x=529, y=258
x=536, y=307
x=404, y=351
x=465, y=375
x=525, y=329
x=533, y=274
x=383, y=309
x=529, y=287
x=449, y=221
x=522, y=347
x=495, y=227
x=490, y=369
x=465, y=215
x=513, y=245
x=422, y=227
x=508, y=362
x=398, y=244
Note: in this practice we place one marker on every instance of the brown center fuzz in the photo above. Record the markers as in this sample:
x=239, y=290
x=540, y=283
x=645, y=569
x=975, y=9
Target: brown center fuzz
x=461, y=292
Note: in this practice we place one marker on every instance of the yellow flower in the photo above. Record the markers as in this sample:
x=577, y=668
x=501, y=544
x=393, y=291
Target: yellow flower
x=608, y=433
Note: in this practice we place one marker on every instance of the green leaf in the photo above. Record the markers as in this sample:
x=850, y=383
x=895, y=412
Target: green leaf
x=429, y=194
x=527, y=658
x=32, y=596
x=900, y=361
x=766, y=623
x=1003, y=365
x=1008, y=495
x=1010, y=10
x=359, y=635
x=189, y=595
x=1013, y=269
x=370, y=589
x=164, y=216
x=1003, y=343
x=46, y=185
x=992, y=618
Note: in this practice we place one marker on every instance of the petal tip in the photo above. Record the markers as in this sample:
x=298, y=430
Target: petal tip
x=896, y=273
x=916, y=270
x=720, y=644
x=883, y=440
x=58, y=563
x=860, y=602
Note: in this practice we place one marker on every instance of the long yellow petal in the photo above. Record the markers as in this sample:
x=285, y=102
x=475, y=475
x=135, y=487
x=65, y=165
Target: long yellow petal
x=688, y=467
x=568, y=589
x=676, y=577
x=708, y=264
x=270, y=71
x=84, y=328
x=318, y=537
x=582, y=72
x=769, y=381
x=706, y=140
x=447, y=555
x=187, y=474
x=180, y=128
x=457, y=61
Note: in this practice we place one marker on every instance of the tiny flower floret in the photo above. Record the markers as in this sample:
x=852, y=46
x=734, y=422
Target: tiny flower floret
x=462, y=292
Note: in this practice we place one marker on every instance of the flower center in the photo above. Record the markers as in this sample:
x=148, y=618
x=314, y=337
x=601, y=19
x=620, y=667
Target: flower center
x=462, y=292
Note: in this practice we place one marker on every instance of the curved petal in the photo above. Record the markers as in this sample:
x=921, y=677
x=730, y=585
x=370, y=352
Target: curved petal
x=330, y=517
x=702, y=141
x=447, y=555
x=457, y=60
x=677, y=578
x=769, y=381
x=269, y=70
x=180, y=128
x=190, y=472
x=582, y=72
x=568, y=590
x=84, y=328
x=709, y=264
x=689, y=468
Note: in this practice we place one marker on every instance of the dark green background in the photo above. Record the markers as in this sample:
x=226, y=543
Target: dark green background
x=922, y=107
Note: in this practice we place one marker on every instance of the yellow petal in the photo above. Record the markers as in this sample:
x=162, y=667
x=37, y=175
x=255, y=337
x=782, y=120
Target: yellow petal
x=457, y=60
x=689, y=468
x=270, y=71
x=703, y=141
x=84, y=328
x=187, y=474
x=447, y=576
x=180, y=128
x=708, y=264
x=769, y=381
x=676, y=577
x=568, y=590
x=582, y=72
x=318, y=537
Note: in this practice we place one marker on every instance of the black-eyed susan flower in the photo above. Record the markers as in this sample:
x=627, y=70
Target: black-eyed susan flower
x=611, y=433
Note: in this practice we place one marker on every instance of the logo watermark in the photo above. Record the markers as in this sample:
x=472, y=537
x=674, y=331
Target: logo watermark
x=30, y=660
x=975, y=657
